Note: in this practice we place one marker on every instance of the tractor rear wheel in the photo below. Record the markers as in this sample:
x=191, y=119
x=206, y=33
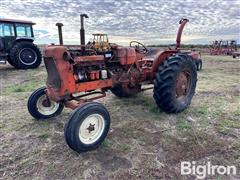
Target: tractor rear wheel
x=41, y=107
x=87, y=127
x=122, y=92
x=175, y=84
x=25, y=55
x=10, y=62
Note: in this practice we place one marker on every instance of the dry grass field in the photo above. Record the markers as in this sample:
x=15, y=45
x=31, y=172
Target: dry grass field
x=144, y=143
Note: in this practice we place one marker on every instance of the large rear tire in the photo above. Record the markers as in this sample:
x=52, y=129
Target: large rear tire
x=10, y=62
x=87, y=127
x=175, y=84
x=25, y=55
x=41, y=107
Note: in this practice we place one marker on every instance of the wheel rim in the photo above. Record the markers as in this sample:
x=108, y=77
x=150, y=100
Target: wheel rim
x=183, y=84
x=91, y=128
x=47, y=107
x=27, y=56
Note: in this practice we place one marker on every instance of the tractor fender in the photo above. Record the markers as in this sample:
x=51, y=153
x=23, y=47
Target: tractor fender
x=159, y=58
x=29, y=39
x=21, y=39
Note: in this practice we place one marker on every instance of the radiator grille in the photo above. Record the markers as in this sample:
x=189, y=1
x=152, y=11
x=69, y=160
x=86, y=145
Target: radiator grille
x=53, y=78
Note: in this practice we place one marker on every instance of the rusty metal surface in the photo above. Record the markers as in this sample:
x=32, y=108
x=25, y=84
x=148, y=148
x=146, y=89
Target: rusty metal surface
x=162, y=56
x=183, y=84
x=92, y=85
x=126, y=55
x=53, y=78
x=81, y=59
x=76, y=102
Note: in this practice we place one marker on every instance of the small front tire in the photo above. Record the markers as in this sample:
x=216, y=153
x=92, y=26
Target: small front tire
x=41, y=107
x=87, y=127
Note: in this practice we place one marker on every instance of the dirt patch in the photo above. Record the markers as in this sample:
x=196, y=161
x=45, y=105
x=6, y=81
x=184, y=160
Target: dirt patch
x=115, y=163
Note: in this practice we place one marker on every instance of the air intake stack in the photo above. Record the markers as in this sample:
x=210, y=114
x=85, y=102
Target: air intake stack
x=59, y=25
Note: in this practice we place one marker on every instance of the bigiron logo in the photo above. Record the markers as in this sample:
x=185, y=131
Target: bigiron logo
x=201, y=171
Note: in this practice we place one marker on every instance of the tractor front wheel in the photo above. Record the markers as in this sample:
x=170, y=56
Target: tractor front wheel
x=87, y=127
x=175, y=84
x=41, y=107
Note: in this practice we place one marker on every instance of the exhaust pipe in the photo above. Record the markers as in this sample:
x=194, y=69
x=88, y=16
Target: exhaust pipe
x=59, y=25
x=182, y=23
x=82, y=30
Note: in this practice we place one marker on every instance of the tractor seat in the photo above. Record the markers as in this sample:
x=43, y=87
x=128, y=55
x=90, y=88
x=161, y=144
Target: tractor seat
x=151, y=54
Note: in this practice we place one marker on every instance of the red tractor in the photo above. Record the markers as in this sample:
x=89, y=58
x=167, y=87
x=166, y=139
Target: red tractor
x=78, y=76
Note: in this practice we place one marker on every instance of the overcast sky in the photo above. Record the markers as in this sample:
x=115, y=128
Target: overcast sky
x=148, y=21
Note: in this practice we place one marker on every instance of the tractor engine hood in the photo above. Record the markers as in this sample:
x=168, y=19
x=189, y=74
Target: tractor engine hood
x=59, y=71
x=61, y=68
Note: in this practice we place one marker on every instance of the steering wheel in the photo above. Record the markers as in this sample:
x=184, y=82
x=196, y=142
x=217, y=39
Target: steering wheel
x=139, y=47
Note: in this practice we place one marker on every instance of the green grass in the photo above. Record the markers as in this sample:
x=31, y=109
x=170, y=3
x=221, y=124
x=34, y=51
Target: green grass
x=106, y=143
x=216, y=81
x=44, y=136
x=25, y=87
x=114, y=144
x=183, y=125
x=1, y=125
x=25, y=161
x=145, y=100
x=123, y=146
x=202, y=110
x=229, y=124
